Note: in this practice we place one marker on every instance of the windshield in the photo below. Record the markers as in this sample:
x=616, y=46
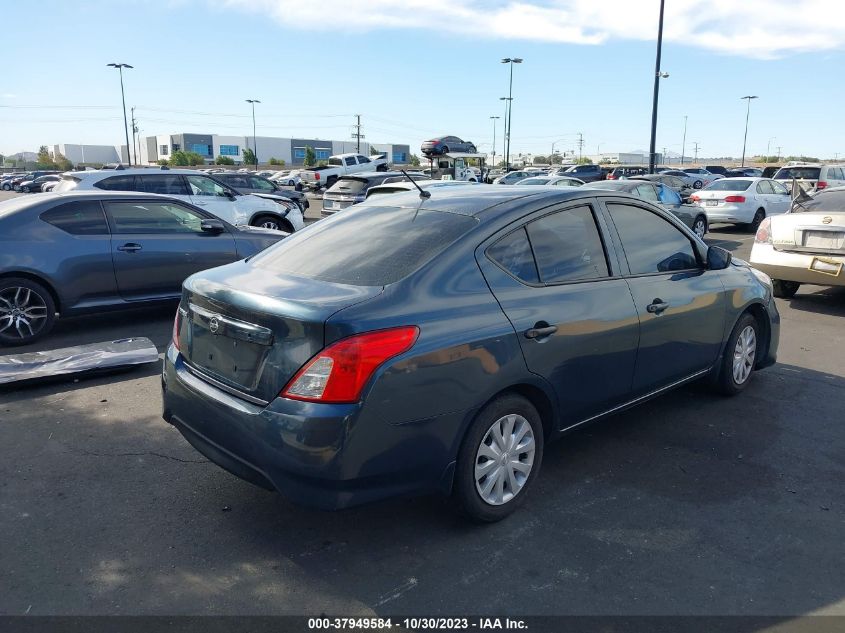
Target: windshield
x=798, y=173
x=823, y=201
x=398, y=242
x=728, y=185
x=610, y=184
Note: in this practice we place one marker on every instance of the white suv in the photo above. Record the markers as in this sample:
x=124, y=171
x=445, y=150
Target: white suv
x=266, y=210
x=811, y=176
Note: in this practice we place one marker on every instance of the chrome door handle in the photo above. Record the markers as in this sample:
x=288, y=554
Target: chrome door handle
x=131, y=247
x=657, y=306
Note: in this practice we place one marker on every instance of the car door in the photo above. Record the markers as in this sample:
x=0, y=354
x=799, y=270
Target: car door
x=680, y=304
x=211, y=196
x=156, y=245
x=781, y=200
x=572, y=311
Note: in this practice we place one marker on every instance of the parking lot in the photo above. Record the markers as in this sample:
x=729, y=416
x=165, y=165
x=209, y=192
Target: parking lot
x=690, y=504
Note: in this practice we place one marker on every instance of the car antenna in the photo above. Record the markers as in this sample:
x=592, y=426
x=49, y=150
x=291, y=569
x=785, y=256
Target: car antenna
x=423, y=193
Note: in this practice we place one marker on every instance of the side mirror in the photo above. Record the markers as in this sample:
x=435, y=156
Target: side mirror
x=210, y=225
x=718, y=258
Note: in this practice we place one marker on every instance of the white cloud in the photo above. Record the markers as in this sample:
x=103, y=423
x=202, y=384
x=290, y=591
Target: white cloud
x=751, y=28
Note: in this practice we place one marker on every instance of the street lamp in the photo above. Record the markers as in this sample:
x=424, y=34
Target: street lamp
x=252, y=102
x=120, y=68
x=769, y=148
x=684, y=143
x=748, y=98
x=511, y=61
x=505, y=149
x=494, y=119
x=658, y=75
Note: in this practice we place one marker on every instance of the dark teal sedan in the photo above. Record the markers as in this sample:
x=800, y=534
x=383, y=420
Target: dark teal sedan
x=435, y=341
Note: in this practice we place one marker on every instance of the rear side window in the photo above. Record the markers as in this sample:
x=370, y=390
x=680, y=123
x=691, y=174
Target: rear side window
x=567, y=246
x=82, y=217
x=764, y=186
x=651, y=243
x=261, y=183
x=117, y=183
x=799, y=173
x=513, y=253
x=392, y=243
x=168, y=184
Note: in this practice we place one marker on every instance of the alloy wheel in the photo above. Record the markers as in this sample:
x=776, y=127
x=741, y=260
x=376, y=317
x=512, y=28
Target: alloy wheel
x=700, y=227
x=504, y=459
x=744, y=354
x=23, y=312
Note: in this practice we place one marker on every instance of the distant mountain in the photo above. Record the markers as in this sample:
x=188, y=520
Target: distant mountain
x=28, y=156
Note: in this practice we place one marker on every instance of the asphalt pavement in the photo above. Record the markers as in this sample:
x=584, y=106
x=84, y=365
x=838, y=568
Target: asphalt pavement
x=690, y=504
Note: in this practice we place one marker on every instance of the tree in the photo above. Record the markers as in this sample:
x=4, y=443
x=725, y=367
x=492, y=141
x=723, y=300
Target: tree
x=310, y=157
x=223, y=160
x=249, y=157
x=62, y=162
x=195, y=159
x=540, y=160
x=555, y=159
x=162, y=162
x=43, y=159
x=277, y=161
x=374, y=151
x=583, y=161
x=179, y=158
x=415, y=160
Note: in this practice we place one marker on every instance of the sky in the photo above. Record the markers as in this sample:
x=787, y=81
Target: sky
x=418, y=69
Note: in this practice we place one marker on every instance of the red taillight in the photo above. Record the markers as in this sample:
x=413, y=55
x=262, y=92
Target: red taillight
x=821, y=184
x=611, y=177
x=764, y=235
x=339, y=373
x=177, y=324
x=694, y=198
x=316, y=175
x=735, y=199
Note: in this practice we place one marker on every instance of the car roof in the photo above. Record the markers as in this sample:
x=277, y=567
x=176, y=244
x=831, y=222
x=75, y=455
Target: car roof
x=97, y=173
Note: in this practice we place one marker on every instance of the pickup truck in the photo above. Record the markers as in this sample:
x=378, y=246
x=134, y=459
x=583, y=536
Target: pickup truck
x=341, y=165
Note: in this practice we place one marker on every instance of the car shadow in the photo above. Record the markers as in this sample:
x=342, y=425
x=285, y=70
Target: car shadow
x=645, y=512
x=820, y=300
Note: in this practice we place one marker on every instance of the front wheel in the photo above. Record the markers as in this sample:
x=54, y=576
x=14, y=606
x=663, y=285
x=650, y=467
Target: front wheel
x=290, y=183
x=27, y=311
x=697, y=184
x=784, y=289
x=699, y=227
x=24, y=189
x=272, y=222
x=499, y=459
x=739, y=357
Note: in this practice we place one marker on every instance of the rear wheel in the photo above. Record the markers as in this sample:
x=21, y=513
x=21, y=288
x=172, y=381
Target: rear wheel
x=697, y=184
x=784, y=289
x=759, y=216
x=445, y=149
x=699, y=227
x=27, y=311
x=740, y=356
x=499, y=459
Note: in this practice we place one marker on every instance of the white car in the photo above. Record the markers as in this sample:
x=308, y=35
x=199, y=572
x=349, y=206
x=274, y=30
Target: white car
x=811, y=176
x=265, y=210
x=403, y=186
x=742, y=200
x=556, y=181
x=805, y=245
x=511, y=178
x=699, y=177
x=290, y=178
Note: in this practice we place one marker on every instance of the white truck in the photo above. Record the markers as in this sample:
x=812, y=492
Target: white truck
x=341, y=165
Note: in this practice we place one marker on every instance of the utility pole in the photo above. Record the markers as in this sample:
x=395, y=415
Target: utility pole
x=658, y=75
x=748, y=99
x=684, y=143
x=695, y=160
x=357, y=134
x=252, y=102
x=134, y=131
x=120, y=68
x=778, y=153
x=494, y=119
x=664, y=156
x=511, y=61
x=580, y=145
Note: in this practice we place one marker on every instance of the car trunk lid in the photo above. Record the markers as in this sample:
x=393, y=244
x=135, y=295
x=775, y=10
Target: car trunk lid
x=249, y=330
x=814, y=232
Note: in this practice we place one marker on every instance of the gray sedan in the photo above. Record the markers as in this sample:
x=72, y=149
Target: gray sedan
x=72, y=253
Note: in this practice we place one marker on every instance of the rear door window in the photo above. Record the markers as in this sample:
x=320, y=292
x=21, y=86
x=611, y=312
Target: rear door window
x=167, y=184
x=567, y=246
x=647, y=192
x=764, y=187
x=260, y=183
x=350, y=161
x=117, y=183
x=394, y=242
x=82, y=217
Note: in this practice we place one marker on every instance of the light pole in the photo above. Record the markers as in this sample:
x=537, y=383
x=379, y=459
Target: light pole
x=598, y=153
x=505, y=148
x=684, y=143
x=252, y=102
x=748, y=98
x=769, y=148
x=658, y=75
x=494, y=119
x=511, y=61
x=120, y=68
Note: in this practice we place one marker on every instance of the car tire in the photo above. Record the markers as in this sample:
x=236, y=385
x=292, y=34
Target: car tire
x=759, y=216
x=7, y=187
x=697, y=184
x=784, y=289
x=290, y=183
x=699, y=226
x=268, y=221
x=472, y=149
x=737, y=364
x=27, y=311
x=444, y=149
x=24, y=189
x=485, y=490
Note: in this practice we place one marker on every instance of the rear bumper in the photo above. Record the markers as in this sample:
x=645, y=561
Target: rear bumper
x=795, y=266
x=320, y=455
x=729, y=214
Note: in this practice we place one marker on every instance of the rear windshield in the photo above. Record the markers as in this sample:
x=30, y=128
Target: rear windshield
x=66, y=184
x=728, y=185
x=349, y=185
x=335, y=161
x=798, y=173
x=380, y=191
x=535, y=181
x=374, y=246
x=823, y=201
